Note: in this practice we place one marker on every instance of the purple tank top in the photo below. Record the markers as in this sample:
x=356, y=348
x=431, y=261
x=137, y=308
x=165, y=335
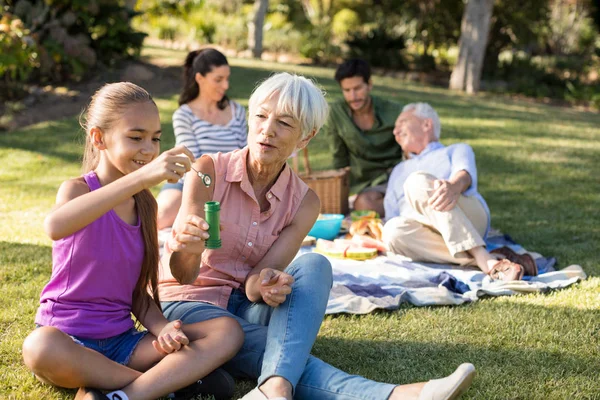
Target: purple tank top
x=94, y=273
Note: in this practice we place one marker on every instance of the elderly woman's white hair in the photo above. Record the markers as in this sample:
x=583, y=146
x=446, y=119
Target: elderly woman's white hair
x=298, y=96
x=424, y=110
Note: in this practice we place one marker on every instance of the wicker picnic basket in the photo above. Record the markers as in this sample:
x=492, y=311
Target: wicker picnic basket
x=332, y=186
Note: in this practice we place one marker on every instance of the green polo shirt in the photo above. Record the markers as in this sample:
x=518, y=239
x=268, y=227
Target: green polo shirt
x=370, y=154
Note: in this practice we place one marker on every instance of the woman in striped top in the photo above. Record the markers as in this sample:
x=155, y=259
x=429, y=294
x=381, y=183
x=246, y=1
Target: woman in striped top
x=206, y=120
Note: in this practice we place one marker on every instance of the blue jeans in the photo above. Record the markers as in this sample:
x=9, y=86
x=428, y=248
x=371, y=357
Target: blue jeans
x=278, y=340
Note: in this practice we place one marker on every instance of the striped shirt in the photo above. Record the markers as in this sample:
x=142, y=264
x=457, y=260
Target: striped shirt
x=202, y=137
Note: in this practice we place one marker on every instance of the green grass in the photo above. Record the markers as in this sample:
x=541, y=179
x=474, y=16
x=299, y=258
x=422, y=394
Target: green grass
x=538, y=168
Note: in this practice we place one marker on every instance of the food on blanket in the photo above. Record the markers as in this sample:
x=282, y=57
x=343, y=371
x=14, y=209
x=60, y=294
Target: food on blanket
x=327, y=226
x=309, y=241
x=361, y=253
x=331, y=249
x=341, y=248
x=367, y=226
x=362, y=241
x=367, y=241
x=345, y=225
x=360, y=214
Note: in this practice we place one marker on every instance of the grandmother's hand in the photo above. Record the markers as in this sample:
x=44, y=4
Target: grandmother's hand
x=445, y=196
x=275, y=285
x=190, y=236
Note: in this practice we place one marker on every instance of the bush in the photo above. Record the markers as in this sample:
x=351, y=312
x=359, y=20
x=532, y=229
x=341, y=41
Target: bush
x=231, y=31
x=316, y=44
x=378, y=48
x=344, y=22
x=284, y=39
x=70, y=36
x=18, y=56
x=542, y=77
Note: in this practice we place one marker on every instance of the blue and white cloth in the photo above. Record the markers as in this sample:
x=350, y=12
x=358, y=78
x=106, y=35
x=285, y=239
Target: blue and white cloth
x=385, y=282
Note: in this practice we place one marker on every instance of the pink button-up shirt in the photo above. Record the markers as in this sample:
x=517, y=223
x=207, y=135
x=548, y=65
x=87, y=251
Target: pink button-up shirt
x=246, y=235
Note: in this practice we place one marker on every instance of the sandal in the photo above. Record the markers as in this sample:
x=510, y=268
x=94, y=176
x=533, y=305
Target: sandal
x=506, y=270
x=525, y=260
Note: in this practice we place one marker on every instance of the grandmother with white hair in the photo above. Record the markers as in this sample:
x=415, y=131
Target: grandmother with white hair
x=266, y=211
x=433, y=209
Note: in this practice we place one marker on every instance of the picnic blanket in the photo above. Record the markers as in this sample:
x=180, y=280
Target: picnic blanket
x=385, y=282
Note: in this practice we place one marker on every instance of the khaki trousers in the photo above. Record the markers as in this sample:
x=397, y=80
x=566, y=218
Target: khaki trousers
x=436, y=236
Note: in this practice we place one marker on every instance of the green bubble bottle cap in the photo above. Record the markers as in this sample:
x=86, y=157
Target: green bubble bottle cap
x=211, y=215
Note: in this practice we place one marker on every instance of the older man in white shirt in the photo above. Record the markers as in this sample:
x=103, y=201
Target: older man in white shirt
x=433, y=209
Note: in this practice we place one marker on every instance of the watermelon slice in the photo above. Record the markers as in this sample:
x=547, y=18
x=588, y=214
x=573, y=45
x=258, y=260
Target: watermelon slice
x=361, y=253
x=343, y=248
x=331, y=249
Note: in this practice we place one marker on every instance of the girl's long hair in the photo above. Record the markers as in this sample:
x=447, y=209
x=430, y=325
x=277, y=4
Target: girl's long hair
x=200, y=61
x=105, y=108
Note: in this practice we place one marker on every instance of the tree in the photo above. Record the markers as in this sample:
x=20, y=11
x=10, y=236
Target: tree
x=474, y=31
x=255, y=27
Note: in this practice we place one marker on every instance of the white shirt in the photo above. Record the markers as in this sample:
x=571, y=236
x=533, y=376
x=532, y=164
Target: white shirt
x=441, y=161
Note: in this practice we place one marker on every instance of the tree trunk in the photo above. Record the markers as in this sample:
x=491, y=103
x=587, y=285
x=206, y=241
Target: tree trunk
x=474, y=31
x=255, y=27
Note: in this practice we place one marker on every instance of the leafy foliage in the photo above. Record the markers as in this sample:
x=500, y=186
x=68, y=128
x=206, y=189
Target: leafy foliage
x=71, y=36
x=18, y=55
x=378, y=48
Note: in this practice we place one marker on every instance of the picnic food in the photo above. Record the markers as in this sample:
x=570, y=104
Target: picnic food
x=309, y=241
x=343, y=248
x=367, y=241
x=367, y=226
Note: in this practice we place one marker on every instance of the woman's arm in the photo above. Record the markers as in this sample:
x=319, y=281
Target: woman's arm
x=77, y=206
x=184, y=134
x=285, y=248
x=189, y=229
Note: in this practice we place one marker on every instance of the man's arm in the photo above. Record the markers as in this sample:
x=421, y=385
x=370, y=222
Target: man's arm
x=337, y=146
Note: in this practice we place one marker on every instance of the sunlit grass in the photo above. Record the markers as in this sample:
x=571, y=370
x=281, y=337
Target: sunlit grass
x=538, y=170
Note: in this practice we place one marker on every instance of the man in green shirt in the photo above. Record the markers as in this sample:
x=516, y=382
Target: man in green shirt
x=360, y=133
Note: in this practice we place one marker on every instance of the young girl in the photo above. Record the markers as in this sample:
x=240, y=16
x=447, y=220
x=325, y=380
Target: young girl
x=105, y=263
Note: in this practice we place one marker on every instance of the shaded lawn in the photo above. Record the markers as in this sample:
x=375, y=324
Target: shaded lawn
x=538, y=171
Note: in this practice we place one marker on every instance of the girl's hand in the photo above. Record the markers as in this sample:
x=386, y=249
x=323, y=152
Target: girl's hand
x=170, y=338
x=170, y=166
x=190, y=236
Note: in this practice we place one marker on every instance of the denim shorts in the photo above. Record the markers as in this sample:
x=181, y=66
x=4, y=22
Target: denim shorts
x=118, y=348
